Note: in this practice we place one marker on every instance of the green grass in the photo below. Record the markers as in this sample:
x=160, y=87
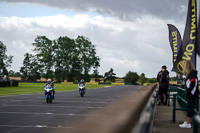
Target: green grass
x=28, y=88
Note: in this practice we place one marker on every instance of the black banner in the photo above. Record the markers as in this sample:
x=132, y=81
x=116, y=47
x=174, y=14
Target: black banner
x=190, y=34
x=198, y=37
x=175, y=43
x=189, y=39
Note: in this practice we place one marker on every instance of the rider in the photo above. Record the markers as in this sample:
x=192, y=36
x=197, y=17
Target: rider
x=52, y=85
x=82, y=82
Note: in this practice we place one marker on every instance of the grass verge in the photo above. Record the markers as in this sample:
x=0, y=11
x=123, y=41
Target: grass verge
x=28, y=88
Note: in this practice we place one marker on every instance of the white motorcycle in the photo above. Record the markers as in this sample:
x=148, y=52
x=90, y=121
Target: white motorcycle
x=81, y=88
x=48, y=90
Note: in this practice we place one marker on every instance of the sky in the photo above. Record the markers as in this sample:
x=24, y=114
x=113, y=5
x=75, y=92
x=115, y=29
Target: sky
x=130, y=35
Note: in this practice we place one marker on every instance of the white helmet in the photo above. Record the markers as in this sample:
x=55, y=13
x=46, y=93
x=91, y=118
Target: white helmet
x=48, y=80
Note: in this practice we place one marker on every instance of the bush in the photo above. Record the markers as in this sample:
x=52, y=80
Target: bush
x=131, y=77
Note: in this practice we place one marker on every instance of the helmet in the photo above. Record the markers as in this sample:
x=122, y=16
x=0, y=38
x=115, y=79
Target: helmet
x=48, y=80
x=81, y=80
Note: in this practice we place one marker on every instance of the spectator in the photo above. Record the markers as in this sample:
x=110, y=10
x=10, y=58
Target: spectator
x=163, y=79
x=165, y=83
x=192, y=91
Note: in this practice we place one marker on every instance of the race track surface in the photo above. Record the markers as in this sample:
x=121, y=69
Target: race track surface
x=31, y=114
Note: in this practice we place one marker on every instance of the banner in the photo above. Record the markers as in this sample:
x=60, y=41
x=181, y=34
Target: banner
x=175, y=43
x=189, y=39
x=190, y=34
x=198, y=37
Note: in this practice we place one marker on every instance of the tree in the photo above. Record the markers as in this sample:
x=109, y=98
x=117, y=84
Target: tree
x=131, y=77
x=17, y=74
x=44, y=50
x=30, y=69
x=67, y=64
x=65, y=58
x=76, y=70
x=110, y=75
x=5, y=60
x=26, y=69
x=142, y=79
x=96, y=66
x=86, y=54
x=74, y=58
x=11, y=72
x=152, y=80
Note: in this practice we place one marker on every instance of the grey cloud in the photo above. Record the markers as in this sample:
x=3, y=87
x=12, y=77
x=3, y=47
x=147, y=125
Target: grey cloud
x=120, y=44
x=123, y=9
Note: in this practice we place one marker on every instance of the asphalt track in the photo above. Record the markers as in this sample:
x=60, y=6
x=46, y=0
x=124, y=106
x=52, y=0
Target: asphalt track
x=31, y=114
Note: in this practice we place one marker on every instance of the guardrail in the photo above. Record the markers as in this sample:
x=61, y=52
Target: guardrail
x=133, y=113
x=196, y=122
x=183, y=101
x=180, y=97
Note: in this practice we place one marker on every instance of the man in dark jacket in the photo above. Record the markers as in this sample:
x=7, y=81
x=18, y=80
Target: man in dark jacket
x=163, y=80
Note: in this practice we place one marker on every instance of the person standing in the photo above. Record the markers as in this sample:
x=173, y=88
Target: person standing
x=192, y=91
x=165, y=83
x=163, y=79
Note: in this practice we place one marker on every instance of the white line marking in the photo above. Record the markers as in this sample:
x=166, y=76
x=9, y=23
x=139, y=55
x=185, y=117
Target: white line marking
x=30, y=113
x=49, y=113
x=6, y=105
x=30, y=126
x=6, y=100
x=107, y=86
x=41, y=126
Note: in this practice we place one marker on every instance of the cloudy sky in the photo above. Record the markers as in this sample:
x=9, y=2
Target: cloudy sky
x=130, y=35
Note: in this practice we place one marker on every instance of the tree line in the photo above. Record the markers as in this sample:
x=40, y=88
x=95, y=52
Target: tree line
x=63, y=58
x=5, y=60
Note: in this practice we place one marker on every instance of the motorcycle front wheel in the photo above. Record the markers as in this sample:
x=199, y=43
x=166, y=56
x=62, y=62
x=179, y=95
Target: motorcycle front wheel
x=50, y=101
x=47, y=99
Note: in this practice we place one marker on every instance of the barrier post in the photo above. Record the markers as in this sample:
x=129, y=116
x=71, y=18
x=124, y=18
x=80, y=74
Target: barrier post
x=174, y=108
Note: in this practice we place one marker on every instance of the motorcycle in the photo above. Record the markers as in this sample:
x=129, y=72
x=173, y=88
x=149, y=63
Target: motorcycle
x=48, y=90
x=81, y=88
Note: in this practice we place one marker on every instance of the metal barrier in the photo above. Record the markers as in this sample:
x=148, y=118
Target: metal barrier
x=171, y=89
x=175, y=97
x=147, y=118
x=133, y=113
x=174, y=90
x=196, y=122
x=180, y=97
